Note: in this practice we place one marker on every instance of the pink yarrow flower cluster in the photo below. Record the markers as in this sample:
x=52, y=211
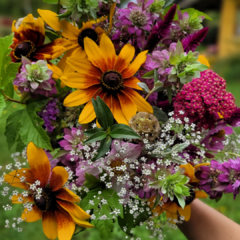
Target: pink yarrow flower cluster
x=204, y=99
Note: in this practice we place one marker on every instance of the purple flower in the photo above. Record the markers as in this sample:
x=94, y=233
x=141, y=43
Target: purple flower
x=215, y=137
x=49, y=114
x=234, y=120
x=36, y=78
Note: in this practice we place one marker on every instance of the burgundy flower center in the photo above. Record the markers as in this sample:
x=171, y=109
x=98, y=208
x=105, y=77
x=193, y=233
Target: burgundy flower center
x=87, y=33
x=25, y=49
x=46, y=201
x=112, y=80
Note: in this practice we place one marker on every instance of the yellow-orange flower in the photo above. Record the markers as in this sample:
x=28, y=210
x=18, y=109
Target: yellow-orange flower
x=29, y=40
x=108, y=76
x=72, y=33
x=56, y=205
x=173, y=209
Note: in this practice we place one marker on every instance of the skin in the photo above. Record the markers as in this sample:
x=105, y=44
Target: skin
x=207, y=224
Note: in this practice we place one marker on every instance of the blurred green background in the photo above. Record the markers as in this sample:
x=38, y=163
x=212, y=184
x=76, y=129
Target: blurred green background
x=227, y=67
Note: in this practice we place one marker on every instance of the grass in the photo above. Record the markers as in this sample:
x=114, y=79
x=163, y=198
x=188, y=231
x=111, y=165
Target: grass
x=34, y=230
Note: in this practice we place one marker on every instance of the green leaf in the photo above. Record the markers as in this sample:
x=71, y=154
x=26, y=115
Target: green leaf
x=85, y=204
x=103, y=113
x=105, y=227
x=93, y=14
x=124, y=133
x=8, y=70
x=193, y=13
x=92, y=131
x=31, y=126
x=9, y=90
x=103, y=148
x=179, y=147
x=2, y=104
x=96, y=137
x=12, y=127
x=158, y=197
x=168, y=3
x=149, y=75
x=92, y=182
x=160, y=115
x=155, y=74
x=181, y=200
x=119, y=126
x=51, y=1
x=65, y=15
x=60, y=154
x=20, y=145
x=144, y=86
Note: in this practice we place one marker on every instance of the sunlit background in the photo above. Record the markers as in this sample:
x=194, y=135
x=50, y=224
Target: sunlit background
x=221, y=47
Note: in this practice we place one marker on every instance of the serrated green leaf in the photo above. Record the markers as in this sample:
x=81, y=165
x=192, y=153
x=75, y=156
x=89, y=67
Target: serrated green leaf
x=2, y=104
x=124, y=133
x=98, y=136
x=8, y=70
x=31, y=126
x=20, y=145
x=12, y=127
x=92, y=131
x=9, y=90
x=85, y=205
x=160, y=115
x=103, y=148
x=105, y=227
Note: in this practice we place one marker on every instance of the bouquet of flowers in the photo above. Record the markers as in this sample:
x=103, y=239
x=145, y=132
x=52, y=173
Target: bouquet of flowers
x=121, y=121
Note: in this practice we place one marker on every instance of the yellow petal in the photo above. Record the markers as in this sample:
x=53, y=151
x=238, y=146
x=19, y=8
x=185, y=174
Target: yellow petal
x=142, y=104
x=132, y=82
x=135, y=65
x=95, y=54
x=200, y=194
x=49, y=224
x=87, y=115
x=127, y=103
x=73, y=209
x=58, y=178
x=80, y=97
x=186, y=212
x=125, y=57
x=201, y=164
x=57, y=72
x=32, y=216
x=65, y=224
x=69, y=31
x=81, y=223
x=39, y=164
x=203, y=60
x=189, y=171
x=51, y=18
x=67, y=195
x=16, y=198
x=108, y=49
x=110, y=20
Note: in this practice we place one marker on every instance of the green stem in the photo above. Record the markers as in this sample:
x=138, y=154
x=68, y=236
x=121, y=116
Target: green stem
x=234, y=154
x=9, y=99
x=59, y=7
x=148, y=96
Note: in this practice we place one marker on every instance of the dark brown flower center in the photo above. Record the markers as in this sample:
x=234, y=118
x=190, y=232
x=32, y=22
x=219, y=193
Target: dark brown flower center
x=220, y=134
x=87, y=33
x=112, y=80
x=46, y=201
x=25, y=49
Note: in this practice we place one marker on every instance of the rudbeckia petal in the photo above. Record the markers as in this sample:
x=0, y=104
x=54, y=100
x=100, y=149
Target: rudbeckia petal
x=79, y=52
x=77, y=80
x=67, y=195
x=95, y=55
x=203, y=60
x=186, y=212
x=49, y=224
x=39, y=164
x=32, y=216
x=189, y=171
x=87, y=115
x=126, y=104
x=57, y=72
x=117, y=111
x=142, y=104
x=82, y=65
x=69, y=31
x=65, y=224
x=58, y=178
x=73, y=209
x=132, y=82
x=125, y=57
x=135, y=65
x=108, y=49
x=200, y=194
x=80, y=97
x=81, y=223
x=16, y=198
x=14, y=178
x=51, y=18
